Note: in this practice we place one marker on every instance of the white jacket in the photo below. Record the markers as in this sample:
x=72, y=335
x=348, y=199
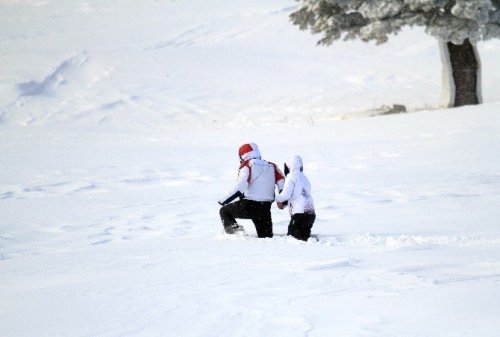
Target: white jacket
x=257, y=179
x=297, y=189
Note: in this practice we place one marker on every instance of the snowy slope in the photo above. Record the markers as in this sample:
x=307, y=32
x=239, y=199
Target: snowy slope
x=98, y=62
x=119, y=128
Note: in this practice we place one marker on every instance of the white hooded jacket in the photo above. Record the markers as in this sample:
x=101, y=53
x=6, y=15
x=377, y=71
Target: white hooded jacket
x=297, y=189
x=256, y=177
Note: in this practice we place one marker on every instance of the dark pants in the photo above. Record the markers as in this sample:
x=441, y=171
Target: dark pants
x=258, y=211
x=300, y=225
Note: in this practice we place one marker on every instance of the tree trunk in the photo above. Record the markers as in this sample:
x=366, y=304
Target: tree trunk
x=465, y=68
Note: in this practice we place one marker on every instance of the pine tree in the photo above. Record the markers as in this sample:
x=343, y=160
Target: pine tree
x=457, y=24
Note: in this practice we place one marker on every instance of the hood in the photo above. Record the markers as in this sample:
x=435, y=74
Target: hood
x=295, y=163
x=249, y=151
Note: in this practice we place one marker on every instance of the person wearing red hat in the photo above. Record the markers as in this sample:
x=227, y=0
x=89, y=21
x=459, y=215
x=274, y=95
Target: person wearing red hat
x=255, y=188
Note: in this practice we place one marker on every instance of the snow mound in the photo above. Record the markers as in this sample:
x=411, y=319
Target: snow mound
x=68, y=71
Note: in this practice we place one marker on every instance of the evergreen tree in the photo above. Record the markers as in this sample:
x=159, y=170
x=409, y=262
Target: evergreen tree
x=457, y=24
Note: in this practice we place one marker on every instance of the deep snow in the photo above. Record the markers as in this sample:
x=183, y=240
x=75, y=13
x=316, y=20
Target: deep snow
x=119, y=130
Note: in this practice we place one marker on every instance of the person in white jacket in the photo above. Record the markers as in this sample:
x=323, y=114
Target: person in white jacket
x=296, y=194
x=255, y=188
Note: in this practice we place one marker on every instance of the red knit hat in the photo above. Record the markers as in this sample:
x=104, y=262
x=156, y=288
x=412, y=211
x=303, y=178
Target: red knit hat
x=249, y=151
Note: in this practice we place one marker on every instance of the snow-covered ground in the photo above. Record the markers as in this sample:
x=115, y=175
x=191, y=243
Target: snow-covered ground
x=119, y=127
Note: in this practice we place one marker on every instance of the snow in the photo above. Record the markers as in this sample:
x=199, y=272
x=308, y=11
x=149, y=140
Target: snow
x=119, y=130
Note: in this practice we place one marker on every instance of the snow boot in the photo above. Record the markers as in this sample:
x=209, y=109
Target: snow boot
x=234, y=229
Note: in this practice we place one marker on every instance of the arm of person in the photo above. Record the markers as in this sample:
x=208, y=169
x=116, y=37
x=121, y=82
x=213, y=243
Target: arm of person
x=279, y=178
x=238, y=189
x=286, y=192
